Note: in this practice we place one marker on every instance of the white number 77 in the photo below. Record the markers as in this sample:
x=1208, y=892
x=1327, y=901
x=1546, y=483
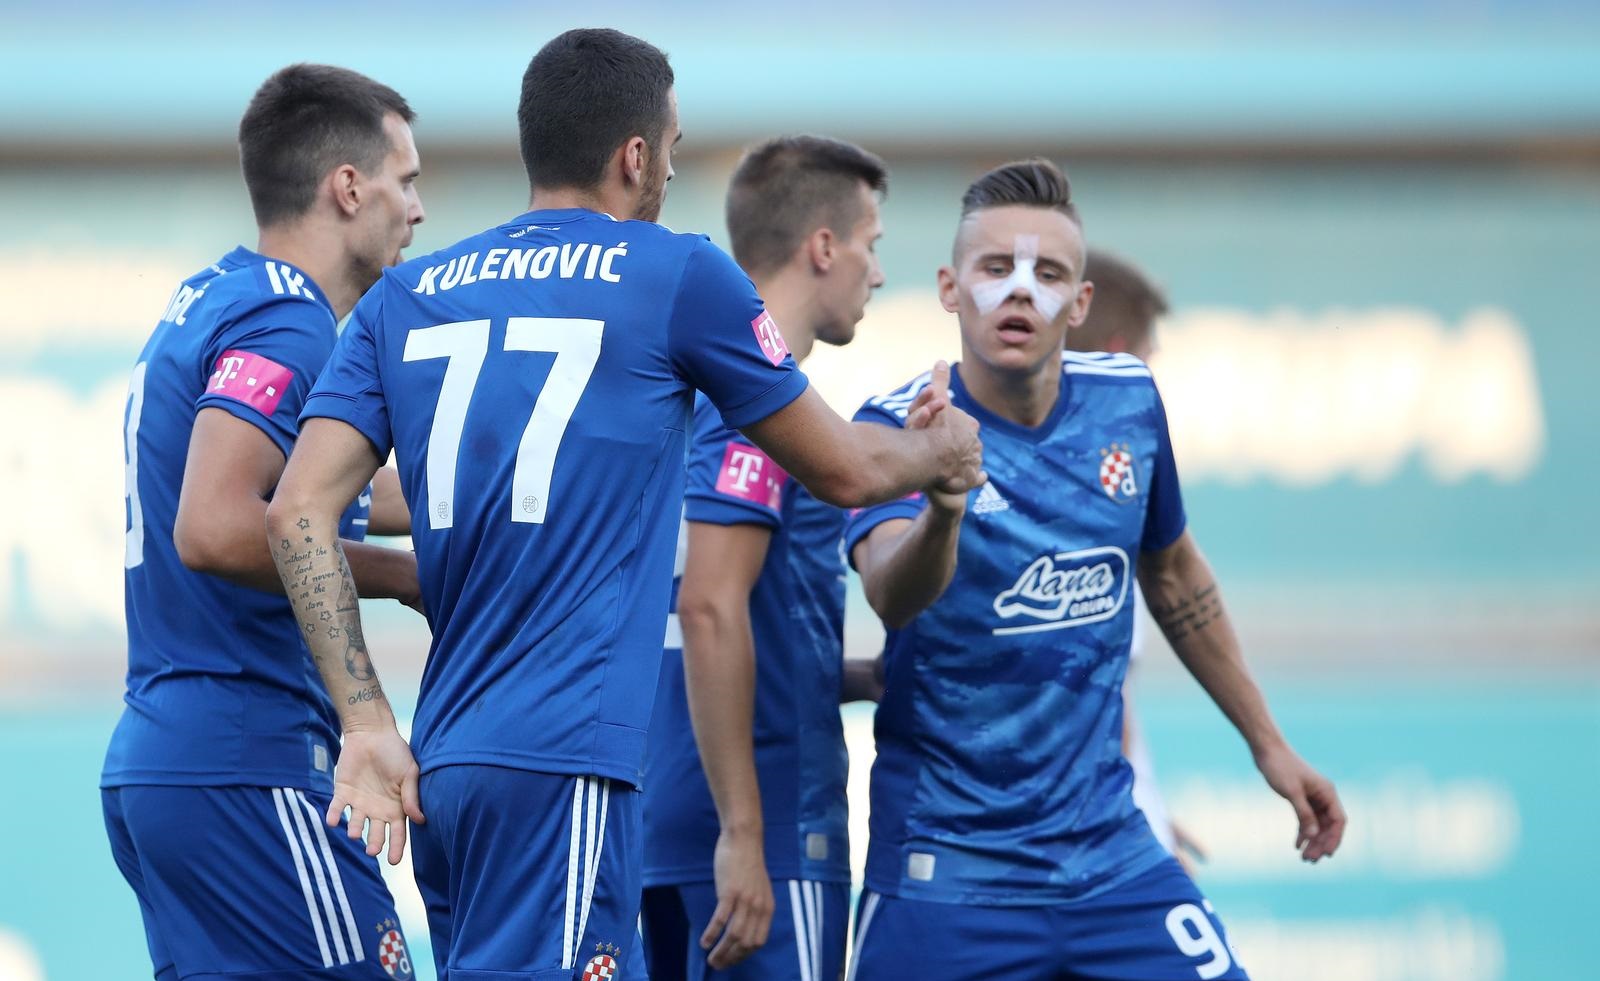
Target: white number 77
x=576, y=345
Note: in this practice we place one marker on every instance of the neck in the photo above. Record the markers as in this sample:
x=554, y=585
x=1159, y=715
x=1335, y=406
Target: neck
x=1023, y=397
x=604, y=200
x=321, y=256
x=793, y=304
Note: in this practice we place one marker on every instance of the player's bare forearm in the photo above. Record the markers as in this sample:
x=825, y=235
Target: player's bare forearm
x=1186, y=603
x=861, y=680
x=719, y=672
x=906, y=566
x=317, y=578
x=722, y=564
x=389, y=515
x=858, y=464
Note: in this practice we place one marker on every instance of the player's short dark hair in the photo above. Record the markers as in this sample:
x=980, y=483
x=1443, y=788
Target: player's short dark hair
x=304, y=121
x=1034, y=183
x=788, y=187
x=1126, y=302
x=584, y=94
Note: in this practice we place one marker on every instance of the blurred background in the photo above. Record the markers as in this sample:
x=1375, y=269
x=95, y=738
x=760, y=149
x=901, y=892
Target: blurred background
x=1379, y=227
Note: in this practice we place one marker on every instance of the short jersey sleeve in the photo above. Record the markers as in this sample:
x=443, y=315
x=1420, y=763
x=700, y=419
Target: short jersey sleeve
x=1164, y=520
x=263, y=362
x=723, y=342
x=861, y=521
x=731, y=481
x=350, y=388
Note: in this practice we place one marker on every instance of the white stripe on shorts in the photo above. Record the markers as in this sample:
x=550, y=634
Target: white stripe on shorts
x=305, y=880
x=574, y=844
x=333, y=873
x=598, y=787
x=802, y=934
x=869, y=906
x=318, y=877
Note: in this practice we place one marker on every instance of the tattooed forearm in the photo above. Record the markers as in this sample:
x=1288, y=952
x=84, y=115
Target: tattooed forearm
x=317, y=577
x=1188, y=615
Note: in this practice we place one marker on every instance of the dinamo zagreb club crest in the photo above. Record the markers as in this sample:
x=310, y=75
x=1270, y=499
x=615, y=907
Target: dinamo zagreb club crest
x=1118, y=477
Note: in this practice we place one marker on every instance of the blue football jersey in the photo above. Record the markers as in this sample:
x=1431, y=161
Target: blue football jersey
x=221, y=687
x=535, y=382
x=797, y=615
x=1000, y=777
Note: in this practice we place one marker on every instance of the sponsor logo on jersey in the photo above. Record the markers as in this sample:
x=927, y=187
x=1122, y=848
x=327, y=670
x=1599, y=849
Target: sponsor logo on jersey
x=1065, y=589
x=1118, y=478
x=256, y=381
x=770, y=338
x=989, y=500
x=750, y=475
x=392, y=952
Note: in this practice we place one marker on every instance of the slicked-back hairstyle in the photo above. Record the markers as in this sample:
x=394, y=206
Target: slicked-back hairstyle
x=584, y=94
x=1126, y=302
x=1034, y=183
x=786, y=188
x=304, y=121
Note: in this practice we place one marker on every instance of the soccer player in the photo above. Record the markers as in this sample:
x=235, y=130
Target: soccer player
x=1004, y=839
x=1122, y=319
x=536, y=382
x=761, y=608
x=223, y=760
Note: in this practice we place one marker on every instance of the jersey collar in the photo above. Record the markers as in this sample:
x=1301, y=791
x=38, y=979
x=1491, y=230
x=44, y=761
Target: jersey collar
x=241, y=257
x=988, y=420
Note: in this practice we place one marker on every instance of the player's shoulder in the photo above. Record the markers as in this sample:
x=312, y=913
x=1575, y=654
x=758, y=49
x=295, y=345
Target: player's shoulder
x=245, y=282
x=1104, y=367
x=896, y=403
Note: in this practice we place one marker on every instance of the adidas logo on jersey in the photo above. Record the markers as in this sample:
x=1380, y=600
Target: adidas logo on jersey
x=989, y=500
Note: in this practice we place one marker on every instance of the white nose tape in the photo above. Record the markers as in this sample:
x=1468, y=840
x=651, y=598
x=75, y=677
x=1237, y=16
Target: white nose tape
x=988, y=295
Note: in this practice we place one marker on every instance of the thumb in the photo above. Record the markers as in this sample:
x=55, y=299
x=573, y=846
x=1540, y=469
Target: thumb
x=1302, y=810
x=411, y=799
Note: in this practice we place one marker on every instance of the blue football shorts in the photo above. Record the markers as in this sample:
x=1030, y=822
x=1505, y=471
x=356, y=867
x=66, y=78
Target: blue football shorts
x=527, y=875
x=249, y=884
x=806, y=942
x=1156, y=927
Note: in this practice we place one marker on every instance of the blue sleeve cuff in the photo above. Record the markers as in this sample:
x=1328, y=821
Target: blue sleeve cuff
x=790, y=388
x=714, y=509
x=862, y=522
x=280, y=436
x=327, y=405
x=1160, y=542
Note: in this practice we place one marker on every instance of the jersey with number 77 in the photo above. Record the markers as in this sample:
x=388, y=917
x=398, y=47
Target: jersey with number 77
x=535, y=383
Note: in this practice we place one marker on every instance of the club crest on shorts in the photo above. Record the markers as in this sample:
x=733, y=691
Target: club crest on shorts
x=1118, y=477
x=603, y=966
x=392, y=952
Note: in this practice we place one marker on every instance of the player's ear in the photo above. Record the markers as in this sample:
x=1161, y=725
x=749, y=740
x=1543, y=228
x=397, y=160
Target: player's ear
x=635, y=158
x=345, y=185
x=819, y=249
x=949, y=292
x=1078, y=309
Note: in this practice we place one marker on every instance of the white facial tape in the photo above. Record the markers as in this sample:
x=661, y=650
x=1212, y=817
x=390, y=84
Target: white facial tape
x=988, y=295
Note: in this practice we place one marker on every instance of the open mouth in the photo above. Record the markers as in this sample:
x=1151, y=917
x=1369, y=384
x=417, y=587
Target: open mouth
x=1015, y=329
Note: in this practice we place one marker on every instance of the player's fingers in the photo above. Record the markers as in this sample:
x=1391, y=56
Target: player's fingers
x=719, y=920
x=1307, y=818
x=335, y=811
x=941, y=377
x=411, y=798
x=357, y=828
x=397, y=841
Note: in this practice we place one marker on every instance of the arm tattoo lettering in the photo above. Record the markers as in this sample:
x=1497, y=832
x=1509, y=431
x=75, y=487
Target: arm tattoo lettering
x=1189, y=615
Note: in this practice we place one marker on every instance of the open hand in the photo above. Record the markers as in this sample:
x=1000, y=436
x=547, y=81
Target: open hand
x=744, y=900
x=1316, y=803
x=961, y=450
x=377, y=779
